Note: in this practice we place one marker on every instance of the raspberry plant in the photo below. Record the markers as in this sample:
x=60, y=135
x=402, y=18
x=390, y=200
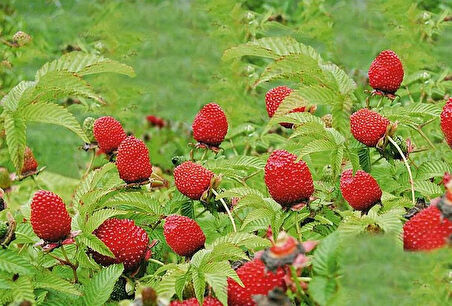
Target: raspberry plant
x=310, y=205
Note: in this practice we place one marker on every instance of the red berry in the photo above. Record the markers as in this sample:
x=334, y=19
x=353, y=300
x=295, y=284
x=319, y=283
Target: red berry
x=183, y=235
x=133, y=161
x=360, y=191
x=368, y=126
x=256, y=280
x=108, y=133
x=156, y=121
x=386, y=72
x=127, y=241
x=446, y=121
x=208, y=301
x=274, y=97
x=288, y=182
x=192, y=179
x=49, y=217
x=210, y=125
x=30, y=163
x=427, y=230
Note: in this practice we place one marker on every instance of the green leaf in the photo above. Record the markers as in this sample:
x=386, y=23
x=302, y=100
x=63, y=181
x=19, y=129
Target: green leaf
x=325, y=260
x=53, y=114
x=199, y=284
x=22, y=290
x=95, y=243
x=430, y=169
x=322, y=289
x=12, y=262
x=10, y=102
x=15, y=129
x=97, y=291
x=84, y=64
x=428, y=188
x=60, y=84
x=364, y=159
x=98, y=217
x=48, y=280
x=246, y=240
x=90, y=181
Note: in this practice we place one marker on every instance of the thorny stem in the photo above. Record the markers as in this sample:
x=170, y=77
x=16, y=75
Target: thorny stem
x=227, y=210
x=407, y=167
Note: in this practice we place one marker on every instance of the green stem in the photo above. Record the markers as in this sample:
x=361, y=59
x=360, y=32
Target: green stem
x=156, y=261
x=407, y=167
x=227, y=210
x=297, y=226
x=93, y=156
x=70, y=264
x=379, y=102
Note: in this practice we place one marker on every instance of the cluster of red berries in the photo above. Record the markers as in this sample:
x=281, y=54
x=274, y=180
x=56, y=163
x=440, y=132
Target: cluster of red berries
x=132, y=158
x=288, y=180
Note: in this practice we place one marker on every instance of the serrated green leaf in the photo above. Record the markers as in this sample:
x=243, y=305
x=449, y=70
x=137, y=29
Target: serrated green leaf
x=98, y=217
x=12, y=262
x=53, y=114
x=97, y=291
x=95, y=243
x=84, y=64
x=15, y=129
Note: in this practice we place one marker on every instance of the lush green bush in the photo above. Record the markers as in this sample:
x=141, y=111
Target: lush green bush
x=131, y=59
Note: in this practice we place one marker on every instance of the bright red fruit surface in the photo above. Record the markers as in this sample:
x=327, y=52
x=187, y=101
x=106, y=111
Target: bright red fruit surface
x=446, y=121
x=256, y=280
x=360, y=191
x=183, y=235
x=368, y=126
x=386, y=72
x=288, y=182
x=427, y=230
x=108, y=133
x=192, y=179
x=210, y=125
x=127, y=241
x=133, y=161
x=49, y=217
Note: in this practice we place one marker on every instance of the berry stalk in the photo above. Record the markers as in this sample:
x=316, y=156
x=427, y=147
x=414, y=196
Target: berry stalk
x=407, y=167
x=227, y=210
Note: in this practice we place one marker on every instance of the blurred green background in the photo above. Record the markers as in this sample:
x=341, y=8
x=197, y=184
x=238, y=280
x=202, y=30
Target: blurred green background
x=176, y=47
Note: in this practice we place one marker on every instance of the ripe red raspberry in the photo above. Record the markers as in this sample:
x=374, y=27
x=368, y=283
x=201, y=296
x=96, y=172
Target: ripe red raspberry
x=274, y=97
x=360, y=191
x=386, y=72
x=288, y=182
x=49, y=217
x=208, y=301
x=427, y=230
x=108, y=133
x=192, y=179
x=446, y=121
x=256, y=280
x=133, y=161
x=30, y=163
x=368, y=126
x=183, y=235
x=210, y=125
x=127, y=241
